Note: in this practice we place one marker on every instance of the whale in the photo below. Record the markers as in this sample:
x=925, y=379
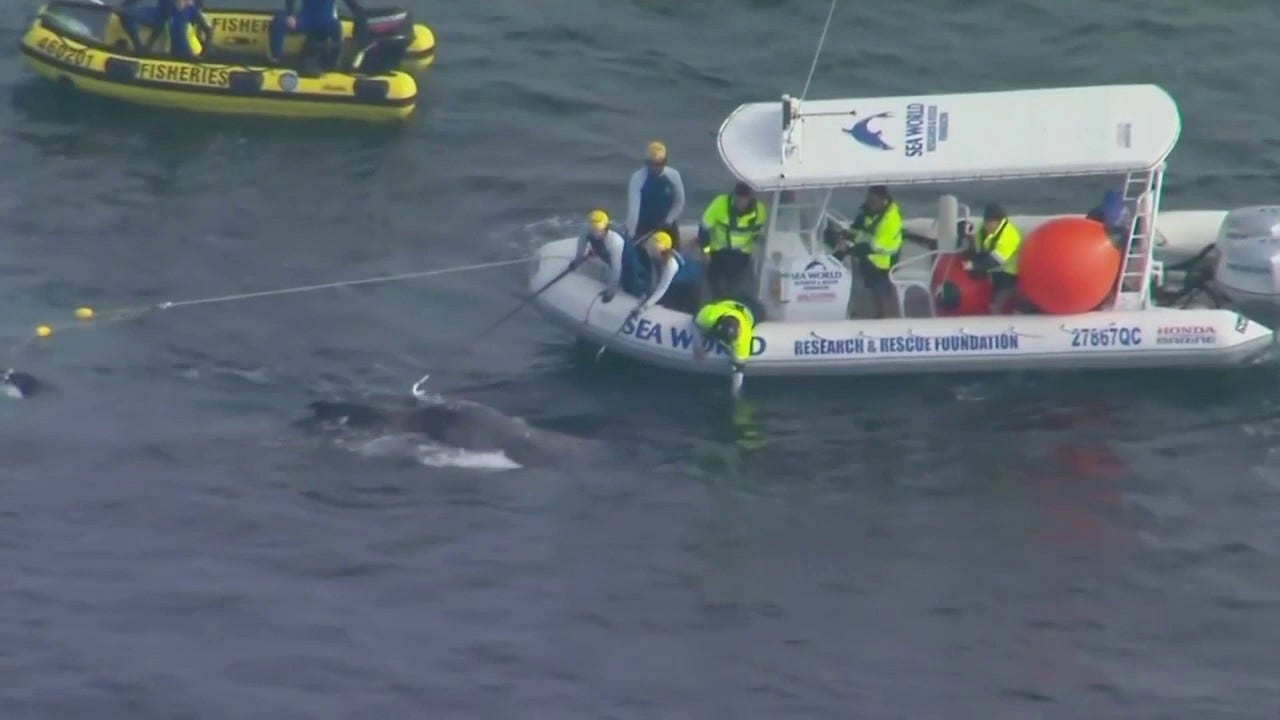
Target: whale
x=20, y=385
x=461, y=424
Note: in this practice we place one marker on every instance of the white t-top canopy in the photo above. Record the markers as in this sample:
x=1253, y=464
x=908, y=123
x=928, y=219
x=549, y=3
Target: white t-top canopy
x=950, y=138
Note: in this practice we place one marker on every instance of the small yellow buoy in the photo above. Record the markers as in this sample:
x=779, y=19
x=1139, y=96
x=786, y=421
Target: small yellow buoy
x=84, y=313
x=44, y=331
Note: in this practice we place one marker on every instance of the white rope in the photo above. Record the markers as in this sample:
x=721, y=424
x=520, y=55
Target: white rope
x=821, y=39
x=93, y=318
x=339, y=284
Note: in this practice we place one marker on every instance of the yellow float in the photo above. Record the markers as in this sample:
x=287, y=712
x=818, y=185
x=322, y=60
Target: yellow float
x=82, y=44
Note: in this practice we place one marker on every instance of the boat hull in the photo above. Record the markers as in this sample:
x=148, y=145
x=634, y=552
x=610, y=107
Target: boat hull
x=219, y=88
x=1153, y=338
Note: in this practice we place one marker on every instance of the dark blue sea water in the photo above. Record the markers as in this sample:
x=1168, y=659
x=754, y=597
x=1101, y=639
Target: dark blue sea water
x=1035, y=546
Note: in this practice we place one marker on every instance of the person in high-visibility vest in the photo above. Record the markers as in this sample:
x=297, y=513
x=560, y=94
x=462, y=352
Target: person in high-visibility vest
x=995, y=253
x=875, y=239
x=730, y=229
x=731, y=324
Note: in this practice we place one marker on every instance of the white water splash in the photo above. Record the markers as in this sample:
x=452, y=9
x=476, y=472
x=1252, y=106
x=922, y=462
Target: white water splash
x=433, y=455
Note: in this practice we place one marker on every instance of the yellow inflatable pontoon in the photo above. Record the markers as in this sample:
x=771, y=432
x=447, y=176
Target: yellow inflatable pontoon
x=82, y=43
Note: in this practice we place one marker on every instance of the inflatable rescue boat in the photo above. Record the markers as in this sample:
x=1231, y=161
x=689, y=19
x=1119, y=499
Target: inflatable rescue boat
x=1092, y=296
x=82, y=44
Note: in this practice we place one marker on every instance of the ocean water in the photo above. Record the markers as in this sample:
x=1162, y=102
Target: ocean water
x=1029, y=546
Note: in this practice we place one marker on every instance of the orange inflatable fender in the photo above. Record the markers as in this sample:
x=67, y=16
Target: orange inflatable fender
x=1068, y=265
x=956, y=292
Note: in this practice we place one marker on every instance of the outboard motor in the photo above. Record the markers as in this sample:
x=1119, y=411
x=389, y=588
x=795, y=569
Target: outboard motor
x=1248, y=247
x=381, y=38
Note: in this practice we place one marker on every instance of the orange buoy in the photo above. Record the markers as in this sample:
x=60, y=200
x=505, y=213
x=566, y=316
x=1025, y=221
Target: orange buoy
x=956, y=292
x=1067, y=265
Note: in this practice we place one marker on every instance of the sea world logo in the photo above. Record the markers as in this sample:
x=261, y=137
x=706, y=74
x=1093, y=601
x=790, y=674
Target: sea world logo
x=862, y=132
x=925, y=128
x=680, y=337
x=1187, y=335
x=817, y=270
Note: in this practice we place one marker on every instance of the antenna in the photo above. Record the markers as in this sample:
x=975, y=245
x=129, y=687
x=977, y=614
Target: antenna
x=821, y=39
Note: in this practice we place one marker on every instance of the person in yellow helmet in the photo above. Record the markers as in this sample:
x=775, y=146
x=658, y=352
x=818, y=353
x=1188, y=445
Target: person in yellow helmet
x=618, y=255
x=677, y=279
x=730, y=229
x=655, y=196
x=994, y=252
x=731, y=324
x=875, y=239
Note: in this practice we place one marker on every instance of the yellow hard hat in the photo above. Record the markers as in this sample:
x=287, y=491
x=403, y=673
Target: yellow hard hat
x=662, y=241
x=657, y=152
x=598, y=219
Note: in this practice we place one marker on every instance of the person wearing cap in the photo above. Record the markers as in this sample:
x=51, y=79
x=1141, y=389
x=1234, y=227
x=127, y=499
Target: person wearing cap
x=676, y=278
x=995, y=253
x=731, y=324
x=730, y=228
x=655, y=196
x=619, y=255
x=875, y=239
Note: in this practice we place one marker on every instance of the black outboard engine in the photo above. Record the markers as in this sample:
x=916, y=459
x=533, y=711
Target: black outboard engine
x=380, y=38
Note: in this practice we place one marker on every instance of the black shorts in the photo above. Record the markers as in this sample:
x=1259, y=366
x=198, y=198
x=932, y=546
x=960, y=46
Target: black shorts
x=727, y=267
x=1001, y=281
x=872, y=276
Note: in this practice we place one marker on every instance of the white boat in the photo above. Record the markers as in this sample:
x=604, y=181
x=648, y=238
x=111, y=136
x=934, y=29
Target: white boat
x=796, y=154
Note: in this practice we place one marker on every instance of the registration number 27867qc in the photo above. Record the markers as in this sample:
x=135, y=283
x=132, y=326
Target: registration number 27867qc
x=1106, y=337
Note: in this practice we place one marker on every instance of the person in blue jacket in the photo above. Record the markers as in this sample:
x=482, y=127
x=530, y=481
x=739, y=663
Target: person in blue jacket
x=316, y=19
x=178, y=16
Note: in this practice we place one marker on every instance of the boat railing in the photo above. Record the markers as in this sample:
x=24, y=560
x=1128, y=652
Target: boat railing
x=915, y=273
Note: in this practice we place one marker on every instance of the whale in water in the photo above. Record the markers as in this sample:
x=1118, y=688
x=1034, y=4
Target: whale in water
x=20, y=385
x=460, y=424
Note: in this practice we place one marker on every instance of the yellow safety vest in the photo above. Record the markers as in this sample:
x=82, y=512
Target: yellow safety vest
x=710, y=314
x=884, y=233
x=729, y=229
x=1004, y=242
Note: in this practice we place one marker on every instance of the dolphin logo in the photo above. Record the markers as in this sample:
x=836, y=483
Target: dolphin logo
x=862, y=132
x=815, y=264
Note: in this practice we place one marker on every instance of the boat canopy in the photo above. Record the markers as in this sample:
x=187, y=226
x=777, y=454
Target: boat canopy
x=962, y=137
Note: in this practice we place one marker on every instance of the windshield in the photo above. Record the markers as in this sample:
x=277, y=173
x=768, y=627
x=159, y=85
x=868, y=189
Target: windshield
x=81, y=20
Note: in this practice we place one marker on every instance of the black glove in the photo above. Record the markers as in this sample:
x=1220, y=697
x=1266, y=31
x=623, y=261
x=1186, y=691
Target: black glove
x=606, y=296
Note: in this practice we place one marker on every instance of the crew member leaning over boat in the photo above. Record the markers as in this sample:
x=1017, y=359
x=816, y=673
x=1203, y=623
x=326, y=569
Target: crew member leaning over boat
x=994, y=252
x=178, y=16
x=618, y=254
x=316, y=19
x=677, y=279
x=875, y=239
x=731, y=324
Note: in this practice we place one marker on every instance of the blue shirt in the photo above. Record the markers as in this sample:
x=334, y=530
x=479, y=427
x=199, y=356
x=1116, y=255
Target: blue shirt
x=313, y=9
